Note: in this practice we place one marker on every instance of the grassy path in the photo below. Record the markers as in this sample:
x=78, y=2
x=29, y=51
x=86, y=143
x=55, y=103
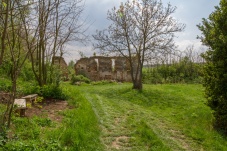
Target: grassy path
x=154, y=119
x=110, y=117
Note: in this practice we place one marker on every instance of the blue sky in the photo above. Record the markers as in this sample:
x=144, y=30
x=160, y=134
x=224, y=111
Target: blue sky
x=189, y=12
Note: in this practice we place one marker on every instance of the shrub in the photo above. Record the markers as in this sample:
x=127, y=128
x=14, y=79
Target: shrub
x=26, y=88
x=79, y=78
x=52, y=91
x=26, y=72
x=215, y=73
x=47, y=91
x=5, y=84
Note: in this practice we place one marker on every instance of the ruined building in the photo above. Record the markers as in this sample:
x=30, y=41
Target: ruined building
x=60, y=62
x=104, y=68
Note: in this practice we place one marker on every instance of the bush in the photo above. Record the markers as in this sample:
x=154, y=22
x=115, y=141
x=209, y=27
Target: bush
x=5, y=84
x=215, y=73
x=26, y=72
x=184, y=71
x=79, y=78
x=52, y=91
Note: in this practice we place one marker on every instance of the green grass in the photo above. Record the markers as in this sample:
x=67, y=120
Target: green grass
x=115, y=117
x=79, y=130
x=161, y=117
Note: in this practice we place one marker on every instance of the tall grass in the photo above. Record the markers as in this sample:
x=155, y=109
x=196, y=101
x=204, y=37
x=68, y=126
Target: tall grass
x=78, y=131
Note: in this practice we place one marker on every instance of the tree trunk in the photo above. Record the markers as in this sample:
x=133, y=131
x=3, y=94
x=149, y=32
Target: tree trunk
x=137, y=82
x=12, y=98
x=3, y=36
x=137, y=85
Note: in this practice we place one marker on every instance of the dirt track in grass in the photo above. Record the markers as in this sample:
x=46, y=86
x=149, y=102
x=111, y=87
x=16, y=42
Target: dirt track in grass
x=119, y=120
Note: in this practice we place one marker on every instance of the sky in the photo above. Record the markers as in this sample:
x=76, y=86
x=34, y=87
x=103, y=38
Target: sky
x=189, y=12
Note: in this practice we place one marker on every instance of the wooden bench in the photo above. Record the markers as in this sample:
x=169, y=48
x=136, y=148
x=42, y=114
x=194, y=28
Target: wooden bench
x=30, y=98
x=21, y=106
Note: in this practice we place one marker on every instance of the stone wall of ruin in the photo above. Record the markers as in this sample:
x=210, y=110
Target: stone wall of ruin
x=104, y=68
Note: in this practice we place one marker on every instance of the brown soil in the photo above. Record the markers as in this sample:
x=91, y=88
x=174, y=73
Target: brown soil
x=49, y=109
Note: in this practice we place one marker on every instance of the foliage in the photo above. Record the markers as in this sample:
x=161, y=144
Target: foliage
x=79, y=78
x=52, y=91
x=71, y=69
x=215, y=77
x=71, y=64
x=56, y=74
x=5, y=84
x=26, y=73
x=184, y=71
x=47, y=91
x=78, y=131
x=28, y=145
x=5, y=68
x=3, y=138
x=31, y=87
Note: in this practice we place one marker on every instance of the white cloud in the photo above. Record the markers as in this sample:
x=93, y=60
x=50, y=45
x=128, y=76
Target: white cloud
x=183, y=44
x=73, y=52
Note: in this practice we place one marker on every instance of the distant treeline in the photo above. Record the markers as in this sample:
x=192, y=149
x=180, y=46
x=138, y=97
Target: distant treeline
x=173, y=69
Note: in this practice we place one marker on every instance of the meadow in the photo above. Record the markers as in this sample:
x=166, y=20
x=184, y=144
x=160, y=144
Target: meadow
x=161, y=117
x=112, y=116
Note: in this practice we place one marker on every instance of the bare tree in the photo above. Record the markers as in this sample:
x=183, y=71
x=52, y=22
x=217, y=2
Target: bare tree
x=138, y=28
x=68, y=26
x=51, y=25
x=16, y=49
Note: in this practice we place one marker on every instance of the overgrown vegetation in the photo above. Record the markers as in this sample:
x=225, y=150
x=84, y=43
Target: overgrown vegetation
x=161, y=117
x=78, y=130
x=184, y=71
x=29, y=42
x=106, y=115
x=79, y=79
